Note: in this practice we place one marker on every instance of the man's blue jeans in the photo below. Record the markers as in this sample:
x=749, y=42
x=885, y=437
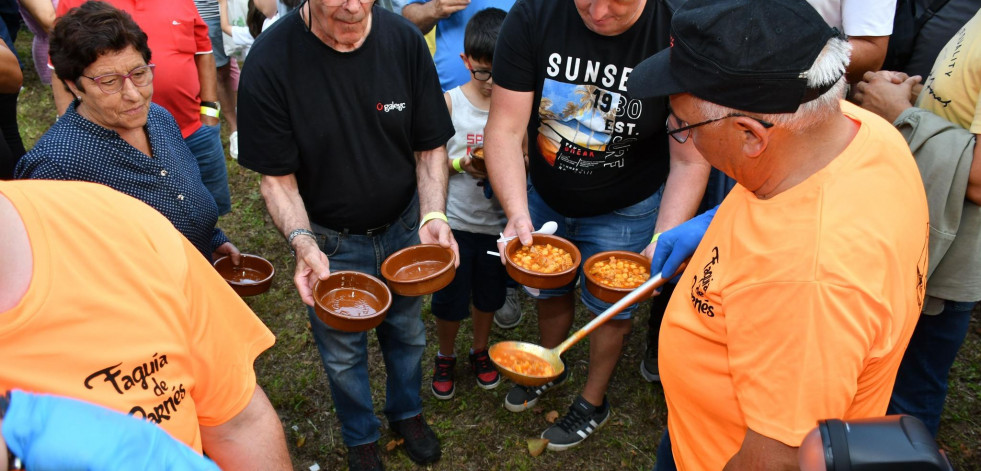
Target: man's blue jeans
x=402, y=335
x=205, y=144
x=921, y=383
x=664, y=460
x=628, y=228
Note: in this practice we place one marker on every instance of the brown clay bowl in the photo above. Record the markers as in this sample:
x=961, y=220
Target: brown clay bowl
x=533, y=279
x=478, y=162
x=608, y=293
x=253, y=276
x=419, y=269
x=351, y=301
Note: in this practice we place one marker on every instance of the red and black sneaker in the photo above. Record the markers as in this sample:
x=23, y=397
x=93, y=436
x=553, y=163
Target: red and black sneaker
x=483, y=369
x=443, y=387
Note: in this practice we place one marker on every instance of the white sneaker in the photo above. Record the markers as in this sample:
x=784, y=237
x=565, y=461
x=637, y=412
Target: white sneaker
x=233, y=145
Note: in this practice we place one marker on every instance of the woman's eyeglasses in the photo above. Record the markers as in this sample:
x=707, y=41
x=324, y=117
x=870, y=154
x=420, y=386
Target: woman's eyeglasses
x=113, y=83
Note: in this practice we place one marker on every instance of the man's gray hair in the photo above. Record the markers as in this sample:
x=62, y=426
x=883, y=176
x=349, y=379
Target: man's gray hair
x=829, y=66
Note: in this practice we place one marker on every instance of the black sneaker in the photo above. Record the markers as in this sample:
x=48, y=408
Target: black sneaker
x=443, y=387
x=648, y=365
x=483, y=369
x=420, y=441
x=521, y=398
x=364, y=457
x=576, y=425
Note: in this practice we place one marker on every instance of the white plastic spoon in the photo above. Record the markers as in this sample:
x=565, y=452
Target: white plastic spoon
x=548, y=228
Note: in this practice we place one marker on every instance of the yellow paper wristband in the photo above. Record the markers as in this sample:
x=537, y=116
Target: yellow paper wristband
x=456, y=164
x=209, y=111
x=654, y=239
x=433, y=215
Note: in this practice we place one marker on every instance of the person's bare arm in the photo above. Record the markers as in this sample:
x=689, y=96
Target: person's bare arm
x=11, y=77
x=43, y=12
x=503, y=154
x=288, y=213
x=253, y=439
x=226, y=26
x=683, y=189
x=868, y=54
x=208, y=77
x=974, y=179
x=432, y=176
x=426, y=15
x=759, y=453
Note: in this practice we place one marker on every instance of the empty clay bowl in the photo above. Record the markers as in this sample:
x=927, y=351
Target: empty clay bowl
x=534, y=279
x=478, y=159
x=351, y=301
x=253, y=276
x=608, y=293
x=419, y=269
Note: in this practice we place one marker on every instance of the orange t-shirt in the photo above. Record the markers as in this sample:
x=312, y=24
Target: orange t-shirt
x=124, y=312
x=797, y=308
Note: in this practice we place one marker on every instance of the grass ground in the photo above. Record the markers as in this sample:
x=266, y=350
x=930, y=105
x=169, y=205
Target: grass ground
x=477, y=433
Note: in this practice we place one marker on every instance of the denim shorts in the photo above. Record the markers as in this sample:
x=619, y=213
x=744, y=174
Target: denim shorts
x=629, y=228
x=479, y=275
x=217, y=42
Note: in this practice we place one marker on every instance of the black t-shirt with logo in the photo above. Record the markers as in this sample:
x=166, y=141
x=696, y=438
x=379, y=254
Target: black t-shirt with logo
x=346, y=124
x=592, y=149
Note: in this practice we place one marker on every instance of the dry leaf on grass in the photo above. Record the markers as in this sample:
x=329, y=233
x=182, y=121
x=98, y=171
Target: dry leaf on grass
x=302, y=439
x=552, y=416
x=394, y=443
x=536, y=446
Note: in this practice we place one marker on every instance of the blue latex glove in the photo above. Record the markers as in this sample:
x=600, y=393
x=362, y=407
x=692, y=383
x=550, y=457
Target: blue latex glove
x=674, y=246
x=57, y=433
x=488, y=191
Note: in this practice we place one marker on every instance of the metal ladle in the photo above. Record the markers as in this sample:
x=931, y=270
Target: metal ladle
x=552, y=355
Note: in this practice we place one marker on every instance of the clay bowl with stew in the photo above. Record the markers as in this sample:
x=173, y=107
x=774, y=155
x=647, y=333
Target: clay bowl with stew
x=531, y=276
x=351, y=301
x=604, y=291
x=253, y=276
x=478, y=159
x=419, y=269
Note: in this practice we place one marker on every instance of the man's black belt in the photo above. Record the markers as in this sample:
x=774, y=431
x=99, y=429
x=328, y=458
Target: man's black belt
x=374, y=231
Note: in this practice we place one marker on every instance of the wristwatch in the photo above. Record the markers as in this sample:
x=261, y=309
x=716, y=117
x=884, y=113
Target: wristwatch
x=211, y=108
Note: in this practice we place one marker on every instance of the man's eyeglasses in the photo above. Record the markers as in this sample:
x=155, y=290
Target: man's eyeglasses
x=482, y=75
x=681, y=131
x=113, y=83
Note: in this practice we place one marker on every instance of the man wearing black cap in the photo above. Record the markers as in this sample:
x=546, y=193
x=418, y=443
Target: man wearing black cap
x=804, y=291
x=599, y=163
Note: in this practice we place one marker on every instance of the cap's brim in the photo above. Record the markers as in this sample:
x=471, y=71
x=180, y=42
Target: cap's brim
x=653, y=77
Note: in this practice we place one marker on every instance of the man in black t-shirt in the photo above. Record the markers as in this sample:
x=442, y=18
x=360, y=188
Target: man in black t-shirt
x=598, y=160
x=341, y=111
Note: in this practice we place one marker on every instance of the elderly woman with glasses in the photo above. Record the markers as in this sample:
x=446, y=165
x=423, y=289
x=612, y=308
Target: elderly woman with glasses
x=112, y=133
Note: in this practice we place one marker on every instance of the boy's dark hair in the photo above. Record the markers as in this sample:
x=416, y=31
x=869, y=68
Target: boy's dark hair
x=87, y=32
x=481, y=34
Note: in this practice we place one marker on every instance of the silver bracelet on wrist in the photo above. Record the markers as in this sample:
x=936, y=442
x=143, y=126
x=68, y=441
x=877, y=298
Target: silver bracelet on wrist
x=298, y=232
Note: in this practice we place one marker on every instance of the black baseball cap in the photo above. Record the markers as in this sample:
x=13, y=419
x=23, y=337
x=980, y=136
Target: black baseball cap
x=749, y=55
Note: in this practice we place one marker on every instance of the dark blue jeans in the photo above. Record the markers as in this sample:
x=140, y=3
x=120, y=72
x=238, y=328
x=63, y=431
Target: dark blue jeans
x=402, y=335
x=921, y=383
x=664, y=461
x=205, y=144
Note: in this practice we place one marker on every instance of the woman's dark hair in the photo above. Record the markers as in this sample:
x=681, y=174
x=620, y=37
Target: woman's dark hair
x=87, y=32
x=481, y=34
